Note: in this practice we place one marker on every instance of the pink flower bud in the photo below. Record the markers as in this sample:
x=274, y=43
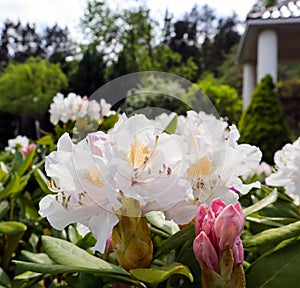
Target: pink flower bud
x=218, y=230
x=205, y=252
x=228, y=226
x=199, y=219
x=217, y=206
x=26, y=150
x=238, y=252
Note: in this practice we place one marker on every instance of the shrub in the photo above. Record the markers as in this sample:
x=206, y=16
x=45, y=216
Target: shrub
x=289, y=92
x=262, y=123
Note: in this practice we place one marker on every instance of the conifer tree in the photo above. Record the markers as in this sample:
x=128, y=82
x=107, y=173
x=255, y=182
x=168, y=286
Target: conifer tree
x=262, y=123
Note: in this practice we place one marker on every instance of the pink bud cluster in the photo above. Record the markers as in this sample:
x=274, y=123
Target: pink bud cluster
x=218, y=229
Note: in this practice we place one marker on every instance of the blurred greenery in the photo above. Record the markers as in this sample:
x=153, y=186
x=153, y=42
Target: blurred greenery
x=263, y=123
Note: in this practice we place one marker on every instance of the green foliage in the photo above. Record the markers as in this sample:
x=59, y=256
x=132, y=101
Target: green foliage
x=230, y=72
x=168, y=97
x=28, y=88
x=225, y=98
x=262, y=123
x=289, y=92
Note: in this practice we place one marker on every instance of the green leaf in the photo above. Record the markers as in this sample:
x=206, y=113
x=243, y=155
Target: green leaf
x=271, y=198
x=3, y=172
x=270, y=221
x=158, y=275
x=171, y=128
x=4, y=279
x=87, y=241
x=46, y=140
x=68, y=254
x=108, y=122
x=56, y=269
x=14, y=232
x=41, y=258
x=12, y=228
x=42, y=180
x=26, y=163
x=273, y=236
x=176, y=240
x=27, y=275
x=276, y=270
x=4, y=207
x=12, y=187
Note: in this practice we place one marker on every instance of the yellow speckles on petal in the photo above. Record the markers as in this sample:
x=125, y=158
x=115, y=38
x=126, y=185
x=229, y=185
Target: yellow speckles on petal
x=202, y=167
x=138, y=153
x=92, y=176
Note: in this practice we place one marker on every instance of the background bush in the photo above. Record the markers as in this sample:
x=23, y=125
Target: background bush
x=262, y=123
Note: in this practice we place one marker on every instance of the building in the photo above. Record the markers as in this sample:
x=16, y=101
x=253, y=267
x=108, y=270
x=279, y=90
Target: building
x=271, y=37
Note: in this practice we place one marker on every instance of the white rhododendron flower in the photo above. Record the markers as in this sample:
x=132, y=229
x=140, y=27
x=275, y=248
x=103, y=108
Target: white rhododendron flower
x=69, y=108
x=85, y=191
x=20, y=142
x=148, y=163
x=105, y=108
x=262, y=168
x=215, y=159
x=171, y=173
x=287, y=164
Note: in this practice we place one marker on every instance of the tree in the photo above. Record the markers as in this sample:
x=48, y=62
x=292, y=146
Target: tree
x=90, y=74
x=225, y=98
x=19, y=42
x=262, y=123
x=26, y=89
x=225, y=38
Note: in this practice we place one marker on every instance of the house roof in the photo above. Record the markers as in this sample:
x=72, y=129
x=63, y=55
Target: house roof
x=286, y=9
x=284, y=18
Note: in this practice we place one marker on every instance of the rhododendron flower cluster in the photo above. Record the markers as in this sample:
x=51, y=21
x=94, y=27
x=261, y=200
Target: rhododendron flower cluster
x=217, y=246
x=287, y=164
x=68, y=108
x=20, y=143
x=137, y=159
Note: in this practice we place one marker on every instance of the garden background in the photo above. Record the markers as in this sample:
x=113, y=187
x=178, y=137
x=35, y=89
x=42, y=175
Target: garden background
x=200, y=47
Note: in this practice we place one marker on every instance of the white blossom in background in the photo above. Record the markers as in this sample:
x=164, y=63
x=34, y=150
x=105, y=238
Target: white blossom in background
x=287, y=174
x=69, y=108
x=262, y=168
x=105, y=108
x=20, y=142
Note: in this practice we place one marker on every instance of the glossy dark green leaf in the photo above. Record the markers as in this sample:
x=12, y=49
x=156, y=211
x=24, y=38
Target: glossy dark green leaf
x=276, y=270
x=57, y=268
x=273, y=236
x=65, y=253
x=271, y=198
x=160, y=274
x=4, y=279
x=41, y=258
x=176, y=240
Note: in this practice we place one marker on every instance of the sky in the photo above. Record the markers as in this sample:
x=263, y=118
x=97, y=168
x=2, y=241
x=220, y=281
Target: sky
x=68, y=12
